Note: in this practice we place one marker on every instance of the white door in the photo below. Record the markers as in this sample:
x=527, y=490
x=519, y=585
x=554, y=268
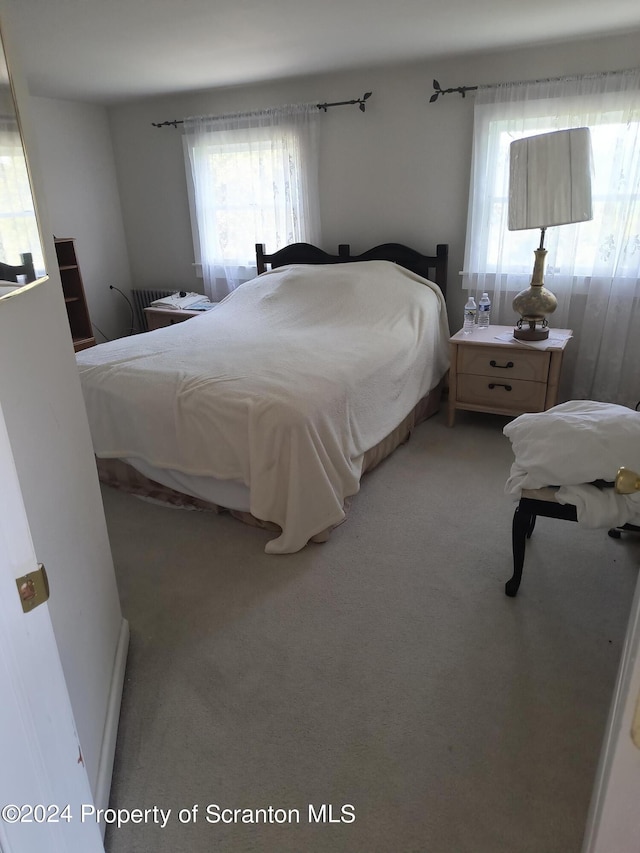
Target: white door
x=614, y=819
x=41, y=771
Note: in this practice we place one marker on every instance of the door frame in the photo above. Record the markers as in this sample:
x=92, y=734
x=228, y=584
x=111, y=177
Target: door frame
x=613, y=823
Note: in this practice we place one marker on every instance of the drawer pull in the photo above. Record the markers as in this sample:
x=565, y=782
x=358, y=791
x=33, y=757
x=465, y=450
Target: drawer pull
x=493, y=385
x=501, y=366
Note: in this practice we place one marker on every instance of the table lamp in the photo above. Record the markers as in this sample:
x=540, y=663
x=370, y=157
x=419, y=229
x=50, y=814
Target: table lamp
x=549, y=184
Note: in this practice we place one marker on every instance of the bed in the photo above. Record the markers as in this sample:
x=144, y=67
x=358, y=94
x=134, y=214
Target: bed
x=273, y=404
x=566, y=461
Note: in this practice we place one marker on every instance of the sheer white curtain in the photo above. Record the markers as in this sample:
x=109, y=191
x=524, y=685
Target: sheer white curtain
x=254, y=180
x=593, y=268
x=18, y=225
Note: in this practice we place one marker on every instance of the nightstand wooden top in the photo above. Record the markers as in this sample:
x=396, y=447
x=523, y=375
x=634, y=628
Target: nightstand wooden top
x=172, y=312
x=503, y=336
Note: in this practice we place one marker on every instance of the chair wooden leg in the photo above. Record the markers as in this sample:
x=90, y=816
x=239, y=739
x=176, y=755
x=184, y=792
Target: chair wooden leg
x=532, y=524
x=521, y=529
x=616, y=532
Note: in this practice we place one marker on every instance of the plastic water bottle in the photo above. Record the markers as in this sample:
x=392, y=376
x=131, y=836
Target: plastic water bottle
x=469, y=316
x=484, y=312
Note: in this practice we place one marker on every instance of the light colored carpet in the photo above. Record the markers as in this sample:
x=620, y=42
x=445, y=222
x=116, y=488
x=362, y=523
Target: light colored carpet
x=384, y=669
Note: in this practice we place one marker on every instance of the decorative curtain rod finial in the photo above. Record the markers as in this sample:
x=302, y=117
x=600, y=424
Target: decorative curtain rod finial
x=173, y=123
x=461, y=90
x=361, y=101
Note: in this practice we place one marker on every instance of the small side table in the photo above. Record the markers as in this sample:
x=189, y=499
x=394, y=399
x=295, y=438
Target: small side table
x=493, y=372
x=158, y=318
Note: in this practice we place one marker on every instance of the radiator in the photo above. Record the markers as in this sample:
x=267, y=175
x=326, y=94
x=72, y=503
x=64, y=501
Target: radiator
x=142, y=298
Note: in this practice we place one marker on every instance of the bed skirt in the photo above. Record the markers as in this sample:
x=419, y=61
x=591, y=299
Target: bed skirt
x=121, y=475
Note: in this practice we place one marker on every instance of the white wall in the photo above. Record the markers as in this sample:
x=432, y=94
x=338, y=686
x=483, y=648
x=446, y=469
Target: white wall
x=79, y=182
x=398, y=172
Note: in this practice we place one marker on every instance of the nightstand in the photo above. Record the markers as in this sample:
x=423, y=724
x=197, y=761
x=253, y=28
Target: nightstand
x=493, y=372
x=158, y=318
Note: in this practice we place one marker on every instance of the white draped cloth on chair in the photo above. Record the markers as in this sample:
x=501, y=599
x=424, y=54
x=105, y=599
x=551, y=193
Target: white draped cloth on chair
x=593, y=268
x=254, y=179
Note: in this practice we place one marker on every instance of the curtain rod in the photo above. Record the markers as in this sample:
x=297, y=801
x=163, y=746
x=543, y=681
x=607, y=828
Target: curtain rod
x=462, y=90
x=361, y=101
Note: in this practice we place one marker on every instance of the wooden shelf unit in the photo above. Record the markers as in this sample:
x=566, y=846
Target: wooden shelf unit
x=74, y=296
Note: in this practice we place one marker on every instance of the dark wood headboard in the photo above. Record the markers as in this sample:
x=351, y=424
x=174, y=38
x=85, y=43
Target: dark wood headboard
x=11, y=273
x=433, y=267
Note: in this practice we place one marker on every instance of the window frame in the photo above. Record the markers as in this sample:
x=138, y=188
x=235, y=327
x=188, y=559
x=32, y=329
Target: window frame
x=497, y=124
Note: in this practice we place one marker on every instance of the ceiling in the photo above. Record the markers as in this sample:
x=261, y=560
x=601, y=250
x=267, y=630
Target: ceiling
x=104, y=51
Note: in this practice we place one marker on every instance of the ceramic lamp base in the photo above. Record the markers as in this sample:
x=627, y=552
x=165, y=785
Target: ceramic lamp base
x=534, y=304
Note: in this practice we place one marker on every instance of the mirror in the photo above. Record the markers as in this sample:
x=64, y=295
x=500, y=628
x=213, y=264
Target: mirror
x=21, y=256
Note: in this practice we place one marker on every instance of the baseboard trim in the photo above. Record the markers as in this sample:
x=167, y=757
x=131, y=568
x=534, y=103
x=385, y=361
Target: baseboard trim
x=109, y=736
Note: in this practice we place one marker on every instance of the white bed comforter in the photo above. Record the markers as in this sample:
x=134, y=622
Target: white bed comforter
x=284, y=386
x=571, y=446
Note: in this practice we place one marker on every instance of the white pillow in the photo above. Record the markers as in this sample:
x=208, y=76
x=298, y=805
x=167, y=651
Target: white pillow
x=573, y=443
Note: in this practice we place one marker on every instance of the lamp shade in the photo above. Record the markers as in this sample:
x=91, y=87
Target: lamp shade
x=550, y=179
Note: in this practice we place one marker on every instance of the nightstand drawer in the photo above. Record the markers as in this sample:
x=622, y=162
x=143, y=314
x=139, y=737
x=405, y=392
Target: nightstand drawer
x=504, y=363
x=503, y=393
x=159, y=318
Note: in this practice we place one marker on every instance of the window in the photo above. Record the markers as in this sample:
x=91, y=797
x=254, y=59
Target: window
x=611, y=240
x=593, y=268
x=18, y=226
x=253, y=178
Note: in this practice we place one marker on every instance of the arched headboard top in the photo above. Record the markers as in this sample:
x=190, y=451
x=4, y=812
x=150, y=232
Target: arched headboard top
x=433, y=267
x=296, y=253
